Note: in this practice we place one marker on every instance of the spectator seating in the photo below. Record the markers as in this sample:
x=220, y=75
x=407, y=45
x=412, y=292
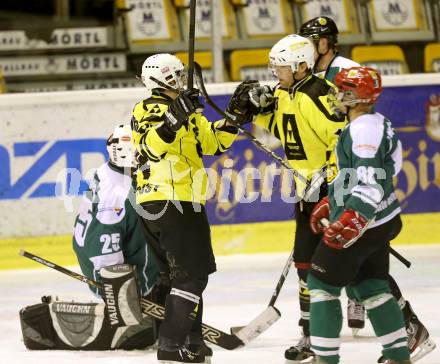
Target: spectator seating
x=250, y=64
x=432, y=57
x=388, y=59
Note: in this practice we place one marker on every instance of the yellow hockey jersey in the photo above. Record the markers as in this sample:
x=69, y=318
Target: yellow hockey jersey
x=172, y=168
x=305, y=124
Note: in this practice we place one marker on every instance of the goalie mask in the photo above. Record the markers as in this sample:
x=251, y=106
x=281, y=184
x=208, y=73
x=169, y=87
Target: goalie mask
x=356, y=85
x=292, y=51
x=167, y=69
x=119, y=147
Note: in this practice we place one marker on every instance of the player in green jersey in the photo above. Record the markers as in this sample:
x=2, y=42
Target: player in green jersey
x=324, y=34
x=107, y=229
x=364, y=216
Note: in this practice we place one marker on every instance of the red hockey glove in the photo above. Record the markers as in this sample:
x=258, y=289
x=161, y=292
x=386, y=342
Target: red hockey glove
x=345, y=231
x=320, y=211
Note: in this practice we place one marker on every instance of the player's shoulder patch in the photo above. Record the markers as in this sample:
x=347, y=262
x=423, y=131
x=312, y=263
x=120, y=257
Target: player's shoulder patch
x=315, y=87
x=366, y=133
x=342, y=62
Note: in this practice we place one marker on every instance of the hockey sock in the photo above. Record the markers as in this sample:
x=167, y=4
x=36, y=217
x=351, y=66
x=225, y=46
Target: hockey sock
x=195, y=335
x=180, y=312
x=304, y=305
x=395, y=291
x=385, y=316
x=325, y=319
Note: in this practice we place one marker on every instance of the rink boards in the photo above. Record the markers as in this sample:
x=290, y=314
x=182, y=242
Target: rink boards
x=52, y=141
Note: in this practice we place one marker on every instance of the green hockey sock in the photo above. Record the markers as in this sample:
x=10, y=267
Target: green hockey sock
x=325, y=319
x=386, y=317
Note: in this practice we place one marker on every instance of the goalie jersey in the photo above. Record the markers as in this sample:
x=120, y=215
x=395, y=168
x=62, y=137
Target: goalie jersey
x=108, y=230
x=368, y=156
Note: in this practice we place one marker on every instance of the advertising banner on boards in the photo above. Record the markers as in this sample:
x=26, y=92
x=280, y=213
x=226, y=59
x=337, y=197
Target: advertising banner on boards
x=50, y=140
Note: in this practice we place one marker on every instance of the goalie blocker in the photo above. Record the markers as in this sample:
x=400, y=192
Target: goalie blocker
x=118, y=324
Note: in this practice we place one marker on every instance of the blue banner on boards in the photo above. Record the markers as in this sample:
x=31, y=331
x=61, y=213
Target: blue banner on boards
x=247, y=184
x=415, y=114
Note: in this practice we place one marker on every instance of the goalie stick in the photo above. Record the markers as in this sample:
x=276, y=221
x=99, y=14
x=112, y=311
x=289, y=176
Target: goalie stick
x=210, y=334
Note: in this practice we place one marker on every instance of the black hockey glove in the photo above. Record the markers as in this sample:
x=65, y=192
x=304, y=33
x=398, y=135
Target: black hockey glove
x=181, y=108
x=240, y=108
x=262, y=98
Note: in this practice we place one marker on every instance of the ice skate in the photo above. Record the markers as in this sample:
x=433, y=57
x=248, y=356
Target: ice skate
x=197, y=345
x=181, y=354
x=419, y=342
x=299, y=352
x=355, y=316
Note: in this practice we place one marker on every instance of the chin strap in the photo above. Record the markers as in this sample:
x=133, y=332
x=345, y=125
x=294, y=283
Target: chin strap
x=164, y=85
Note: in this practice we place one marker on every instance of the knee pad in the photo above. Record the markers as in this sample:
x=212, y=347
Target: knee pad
x=321, y=291
x=371, y=288
x=183, y=281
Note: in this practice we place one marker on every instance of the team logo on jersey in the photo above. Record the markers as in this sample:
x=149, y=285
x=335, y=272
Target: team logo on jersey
x=154, y=109
x=433, y=117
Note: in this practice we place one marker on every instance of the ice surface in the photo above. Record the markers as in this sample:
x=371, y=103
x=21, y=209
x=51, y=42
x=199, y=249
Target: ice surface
x=238, y=292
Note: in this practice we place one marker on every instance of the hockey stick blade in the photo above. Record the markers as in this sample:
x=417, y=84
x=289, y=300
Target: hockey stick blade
x=259, y=324
x=210, y=334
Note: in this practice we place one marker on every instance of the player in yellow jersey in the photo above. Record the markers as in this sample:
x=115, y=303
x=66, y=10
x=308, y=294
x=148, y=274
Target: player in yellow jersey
x=170, y=136
x=297, y=113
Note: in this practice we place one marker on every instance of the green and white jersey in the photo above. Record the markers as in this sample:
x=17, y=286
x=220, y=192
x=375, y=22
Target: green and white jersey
x=109, y=231
x=368, y=155
x=337, y=64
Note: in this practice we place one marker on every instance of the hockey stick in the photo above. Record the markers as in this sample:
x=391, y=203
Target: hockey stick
x=271, y=314
x=210, y=334
x=191, y=39
x=199, y=79
x=324, y=222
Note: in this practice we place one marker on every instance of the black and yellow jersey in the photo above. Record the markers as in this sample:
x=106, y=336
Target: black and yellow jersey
x=303, y=121
x=171, y=167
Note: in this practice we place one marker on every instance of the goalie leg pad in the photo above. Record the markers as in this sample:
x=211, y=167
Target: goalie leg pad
x=37, y=328
x=122, y=295
x=80, y=326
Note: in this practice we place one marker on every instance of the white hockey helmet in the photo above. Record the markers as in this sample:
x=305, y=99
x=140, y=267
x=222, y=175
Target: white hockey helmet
x=119, y=146
x=291, y=51
x=166, y=68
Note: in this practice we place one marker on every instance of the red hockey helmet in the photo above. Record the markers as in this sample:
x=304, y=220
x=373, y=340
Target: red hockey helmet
x=359, y=85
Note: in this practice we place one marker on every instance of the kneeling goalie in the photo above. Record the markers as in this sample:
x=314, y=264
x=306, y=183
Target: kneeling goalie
x=109, y=242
